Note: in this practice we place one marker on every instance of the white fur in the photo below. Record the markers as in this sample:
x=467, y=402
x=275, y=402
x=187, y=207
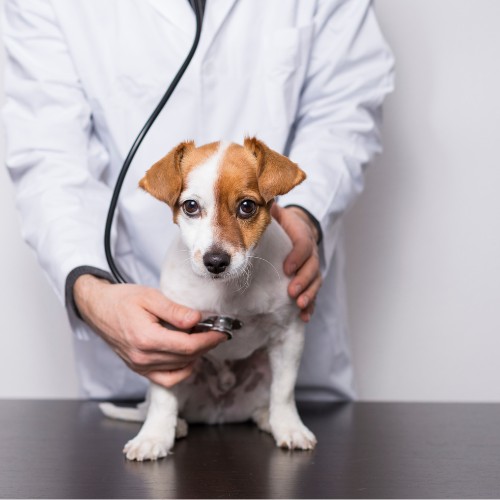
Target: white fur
x=198, y=233
x=272, y=334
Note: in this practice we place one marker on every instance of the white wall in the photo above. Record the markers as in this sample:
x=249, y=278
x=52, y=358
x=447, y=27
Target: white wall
x=36, y=358
x=423, y=242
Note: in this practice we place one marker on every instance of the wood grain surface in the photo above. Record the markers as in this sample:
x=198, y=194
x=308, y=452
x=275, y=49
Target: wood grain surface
x=67, y=449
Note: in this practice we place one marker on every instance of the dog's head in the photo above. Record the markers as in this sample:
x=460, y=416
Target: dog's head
x=221, y=195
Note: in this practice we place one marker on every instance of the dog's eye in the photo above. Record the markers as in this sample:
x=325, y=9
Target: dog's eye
x=191, y=207
x=246, y=209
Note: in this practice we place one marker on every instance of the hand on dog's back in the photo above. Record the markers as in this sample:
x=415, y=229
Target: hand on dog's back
x=128, y=318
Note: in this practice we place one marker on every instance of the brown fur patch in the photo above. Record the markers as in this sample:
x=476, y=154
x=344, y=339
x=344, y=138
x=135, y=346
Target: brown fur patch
x=165, y=180
x=193, y=159
x=276, y=173
x=237, y=181
x=253, y=172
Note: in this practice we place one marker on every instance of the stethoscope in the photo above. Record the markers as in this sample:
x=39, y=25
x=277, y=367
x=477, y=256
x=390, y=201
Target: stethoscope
x=224, y=324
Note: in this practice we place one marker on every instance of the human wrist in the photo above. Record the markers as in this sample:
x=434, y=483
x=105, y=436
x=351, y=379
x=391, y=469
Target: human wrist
x=73, y=277
x=87, y=282
x=85, y=289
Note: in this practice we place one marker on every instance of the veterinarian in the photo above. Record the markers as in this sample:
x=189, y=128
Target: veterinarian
x=306, y=77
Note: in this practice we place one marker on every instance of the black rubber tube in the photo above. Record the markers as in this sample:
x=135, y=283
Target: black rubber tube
x=199, y=9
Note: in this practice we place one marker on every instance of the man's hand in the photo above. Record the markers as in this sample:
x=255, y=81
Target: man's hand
x=303, y=260
x=128, y=317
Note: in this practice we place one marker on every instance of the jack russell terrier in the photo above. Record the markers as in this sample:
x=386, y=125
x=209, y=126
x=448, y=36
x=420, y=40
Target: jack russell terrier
x=228, y=260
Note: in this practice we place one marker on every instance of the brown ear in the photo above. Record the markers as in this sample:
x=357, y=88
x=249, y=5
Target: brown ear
x=164, y=179
x=276, y=174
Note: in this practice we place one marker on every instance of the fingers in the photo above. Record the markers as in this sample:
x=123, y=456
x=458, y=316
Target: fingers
x=146, y=362
x=173, y=351
x=170, y=378
x=305, y=278
x=299, y=233
x=178, y=315
x=302, y=260
x=307, y=299
x=184, y=344
x=305, y=314
x=306, y=283
x=303, y=248
x=309, y=295
x=302, y=238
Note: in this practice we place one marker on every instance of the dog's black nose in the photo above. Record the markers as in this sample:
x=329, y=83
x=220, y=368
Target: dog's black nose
x=216, y=262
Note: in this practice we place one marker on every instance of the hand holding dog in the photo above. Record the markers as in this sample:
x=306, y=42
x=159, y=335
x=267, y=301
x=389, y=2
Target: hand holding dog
x=127, y=318
x=303, y=260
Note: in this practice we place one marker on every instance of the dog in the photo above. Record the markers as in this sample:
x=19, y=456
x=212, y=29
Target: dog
x=228, y=261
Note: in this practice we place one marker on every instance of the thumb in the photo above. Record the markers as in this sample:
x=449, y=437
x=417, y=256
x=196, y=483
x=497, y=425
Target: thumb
x=178, y=315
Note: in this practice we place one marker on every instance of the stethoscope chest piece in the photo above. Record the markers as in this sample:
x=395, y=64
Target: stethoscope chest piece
x=223, y=324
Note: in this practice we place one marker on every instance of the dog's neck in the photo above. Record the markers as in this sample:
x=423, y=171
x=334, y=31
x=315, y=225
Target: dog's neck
x=260, y=289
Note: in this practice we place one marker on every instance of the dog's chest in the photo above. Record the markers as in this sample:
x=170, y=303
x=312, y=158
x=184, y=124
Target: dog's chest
x=263, y=311
x=261, y=314
x=254, y=334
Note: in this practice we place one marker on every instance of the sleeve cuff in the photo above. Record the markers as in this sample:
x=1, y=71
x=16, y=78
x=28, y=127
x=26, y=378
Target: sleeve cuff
x=71, y=280
x=315, y=221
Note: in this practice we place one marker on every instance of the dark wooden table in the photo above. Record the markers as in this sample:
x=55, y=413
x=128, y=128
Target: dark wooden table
x=66, y=449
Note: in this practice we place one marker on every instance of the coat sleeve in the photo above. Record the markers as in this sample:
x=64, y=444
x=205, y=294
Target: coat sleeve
x=53, y=155
x=337, y=125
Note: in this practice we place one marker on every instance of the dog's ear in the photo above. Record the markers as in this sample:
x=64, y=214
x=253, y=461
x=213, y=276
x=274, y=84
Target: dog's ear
x=276, y=174
x=164, y=179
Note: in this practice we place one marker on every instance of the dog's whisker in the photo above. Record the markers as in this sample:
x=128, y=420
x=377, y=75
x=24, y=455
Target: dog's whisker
x=245, y=274
x=237, y=276
x=260, y=258
x=244, y=286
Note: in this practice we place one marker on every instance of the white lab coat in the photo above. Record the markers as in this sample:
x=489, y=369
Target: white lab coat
x=306, y=77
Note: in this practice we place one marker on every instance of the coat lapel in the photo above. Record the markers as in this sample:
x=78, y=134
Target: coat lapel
x=177, y=12
x=216, y=13
x=180, y=14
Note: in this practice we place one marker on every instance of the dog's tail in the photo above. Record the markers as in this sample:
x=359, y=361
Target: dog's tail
x=137, y=414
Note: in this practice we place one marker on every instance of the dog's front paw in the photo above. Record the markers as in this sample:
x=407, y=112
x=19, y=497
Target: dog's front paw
x=147, y=448
x=294, y=437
